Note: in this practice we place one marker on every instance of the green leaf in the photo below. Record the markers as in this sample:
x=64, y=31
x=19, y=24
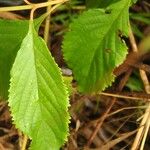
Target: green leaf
x=99, y=3
x=37, y=96
x=136, y=30
x=68, y=83
x=12, y=33
x=103, y=3
x=93, y=47
x=140, y=17
x=134, y=1
x=135, y=84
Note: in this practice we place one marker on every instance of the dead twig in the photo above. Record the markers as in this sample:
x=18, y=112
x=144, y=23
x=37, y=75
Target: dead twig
x=99, y=123
x=112, y=143
x=144, y=126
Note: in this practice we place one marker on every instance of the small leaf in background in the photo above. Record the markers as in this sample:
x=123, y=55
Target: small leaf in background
x=134, y=84
x=144, y=45
x=93, y=47
x=141, y=17
x=38, y=98
x=136, y=30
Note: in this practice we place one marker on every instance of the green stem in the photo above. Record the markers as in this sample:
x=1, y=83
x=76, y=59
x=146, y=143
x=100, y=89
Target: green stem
x=31, y=6
x=15, y=8
x=47, y=27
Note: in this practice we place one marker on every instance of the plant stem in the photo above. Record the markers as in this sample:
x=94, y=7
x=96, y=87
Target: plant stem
x=47, y=26
x=144, y=125
x=31, y=6
x=15, y=8
x=25, y=140
x=124, y=96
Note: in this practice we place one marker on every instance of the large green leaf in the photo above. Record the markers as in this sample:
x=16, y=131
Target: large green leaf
x=12, y=33
x=99, y=3
x=93, y=47
x=37, y=97
x=102, y=3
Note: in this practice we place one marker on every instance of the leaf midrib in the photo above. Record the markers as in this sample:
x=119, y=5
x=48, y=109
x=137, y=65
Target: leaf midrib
x=36, y=73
